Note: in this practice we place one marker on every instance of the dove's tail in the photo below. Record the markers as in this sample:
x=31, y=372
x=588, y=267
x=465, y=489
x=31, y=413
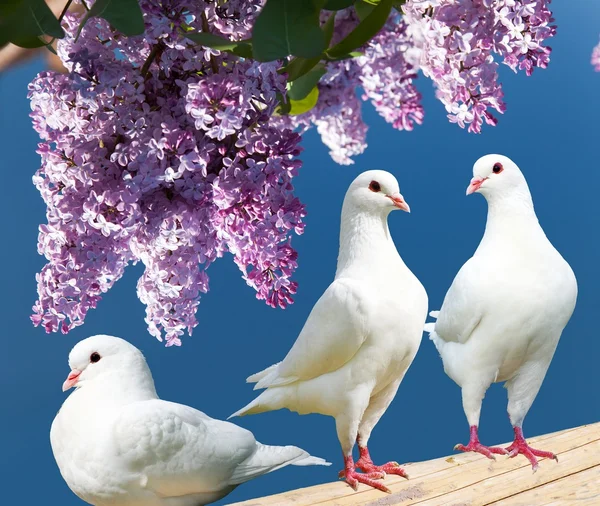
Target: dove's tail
x=255, y=378
x=430, y=328
x=269, y=400
x=450, y=351
x=270, y=458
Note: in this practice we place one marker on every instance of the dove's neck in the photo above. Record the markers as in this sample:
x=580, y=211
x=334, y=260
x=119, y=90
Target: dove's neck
x=511, y=217
x=117, y=388
x=365, y=243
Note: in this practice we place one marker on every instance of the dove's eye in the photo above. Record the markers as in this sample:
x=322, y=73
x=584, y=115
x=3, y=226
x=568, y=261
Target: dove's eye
x=95, y=357
x=375, y=186
x=498, y=168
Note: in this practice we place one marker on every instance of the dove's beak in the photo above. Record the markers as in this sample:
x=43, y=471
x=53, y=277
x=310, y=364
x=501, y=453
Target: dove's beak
x=71, y=380
x=399, y=202
x=475, y=184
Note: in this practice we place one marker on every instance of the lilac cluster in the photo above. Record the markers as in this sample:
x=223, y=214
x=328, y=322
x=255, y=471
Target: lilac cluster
x=596, y=58
x=458, y=39
x=160, y=151
x=385, y=73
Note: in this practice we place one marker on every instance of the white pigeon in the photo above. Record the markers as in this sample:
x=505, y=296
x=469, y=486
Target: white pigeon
x=360, y=337
x=116, y=443
x=507, y=307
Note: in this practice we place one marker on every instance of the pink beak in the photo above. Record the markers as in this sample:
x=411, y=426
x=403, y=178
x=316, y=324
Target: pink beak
x=399, y=202
x=475, y=184
x=71, y=380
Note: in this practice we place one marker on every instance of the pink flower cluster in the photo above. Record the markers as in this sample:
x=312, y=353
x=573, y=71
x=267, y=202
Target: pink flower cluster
x=458, y=40
x=160, y=151
x=386, y=76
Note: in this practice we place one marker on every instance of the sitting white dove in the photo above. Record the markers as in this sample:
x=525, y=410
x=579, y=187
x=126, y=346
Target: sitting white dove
x=507, y=307
x=116, y=443
x=360, y=337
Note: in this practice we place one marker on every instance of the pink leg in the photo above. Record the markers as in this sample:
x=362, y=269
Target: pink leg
x=353, y=478
x=520, y=446
x=365, y=464
x=475, y=446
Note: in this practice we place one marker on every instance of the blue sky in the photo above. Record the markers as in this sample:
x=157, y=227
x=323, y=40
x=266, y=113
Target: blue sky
x=550, y=130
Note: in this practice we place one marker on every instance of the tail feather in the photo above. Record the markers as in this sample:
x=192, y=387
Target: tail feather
x=270, y=458
x=451, y=352
x=269, y=400
x=429, y=327
x=260, y=375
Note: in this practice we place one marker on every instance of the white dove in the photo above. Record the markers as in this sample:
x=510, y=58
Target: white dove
x=116, y=443
x=507, y=307
x=360, y=337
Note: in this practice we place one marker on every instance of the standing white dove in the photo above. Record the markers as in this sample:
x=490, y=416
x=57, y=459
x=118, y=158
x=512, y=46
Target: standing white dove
x=507, y=307
x=360, y=337
x=116, y=443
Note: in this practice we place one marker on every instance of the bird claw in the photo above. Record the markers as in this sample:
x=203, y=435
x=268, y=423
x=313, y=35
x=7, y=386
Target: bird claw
x=487, y=451
x=520, y=446
x=367, y=466
x=353, y=478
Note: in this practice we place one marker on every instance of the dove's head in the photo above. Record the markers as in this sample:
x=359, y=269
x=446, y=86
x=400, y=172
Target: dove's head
x=496, y=175
x=376, y=191
x=102, y=357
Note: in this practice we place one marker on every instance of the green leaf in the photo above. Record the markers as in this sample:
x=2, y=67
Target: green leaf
x=299, y=66
x=337, y=5
x=123, y=15
x=288, y=27
x=328, y=29
x=284, y=105
x=23, y=21
x=241, y=48
x=365, y=31
x=303, y=86
x=363, y=9
x=306, y=104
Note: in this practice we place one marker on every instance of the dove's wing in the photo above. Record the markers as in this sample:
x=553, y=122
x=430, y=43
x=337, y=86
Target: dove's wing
x=334, y=331
x=178, y=450
x=462, y=309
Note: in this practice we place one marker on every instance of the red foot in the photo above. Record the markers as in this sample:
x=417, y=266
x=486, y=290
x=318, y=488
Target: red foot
x=353, y=478
x=520, y=446
x=365, y=464
x=475, y=446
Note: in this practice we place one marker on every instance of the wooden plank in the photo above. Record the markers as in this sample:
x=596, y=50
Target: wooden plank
x=434, y=478
x=459, y=482
x=579, y=488
x=507, y=484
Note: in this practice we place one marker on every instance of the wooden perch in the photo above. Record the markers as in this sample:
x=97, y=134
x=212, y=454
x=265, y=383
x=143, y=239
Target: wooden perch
x=473, y=480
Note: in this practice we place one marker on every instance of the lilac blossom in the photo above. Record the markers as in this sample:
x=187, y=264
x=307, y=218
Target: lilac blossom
x=457, y=40
x=385, y=73
x=173, y=168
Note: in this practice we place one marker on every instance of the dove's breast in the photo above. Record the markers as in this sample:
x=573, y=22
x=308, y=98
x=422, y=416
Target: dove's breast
x=397, y=316
x=87, y=460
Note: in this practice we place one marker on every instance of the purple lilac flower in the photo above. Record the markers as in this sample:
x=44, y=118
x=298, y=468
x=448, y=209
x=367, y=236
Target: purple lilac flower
x=386, y=75
x=173, y=168
x=458, y=39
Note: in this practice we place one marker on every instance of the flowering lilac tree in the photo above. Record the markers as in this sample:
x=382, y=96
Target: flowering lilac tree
x=174, y=137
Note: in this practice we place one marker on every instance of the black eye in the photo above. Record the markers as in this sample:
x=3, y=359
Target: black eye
x=498, y=168
x=95, y=357
x=375, y=186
